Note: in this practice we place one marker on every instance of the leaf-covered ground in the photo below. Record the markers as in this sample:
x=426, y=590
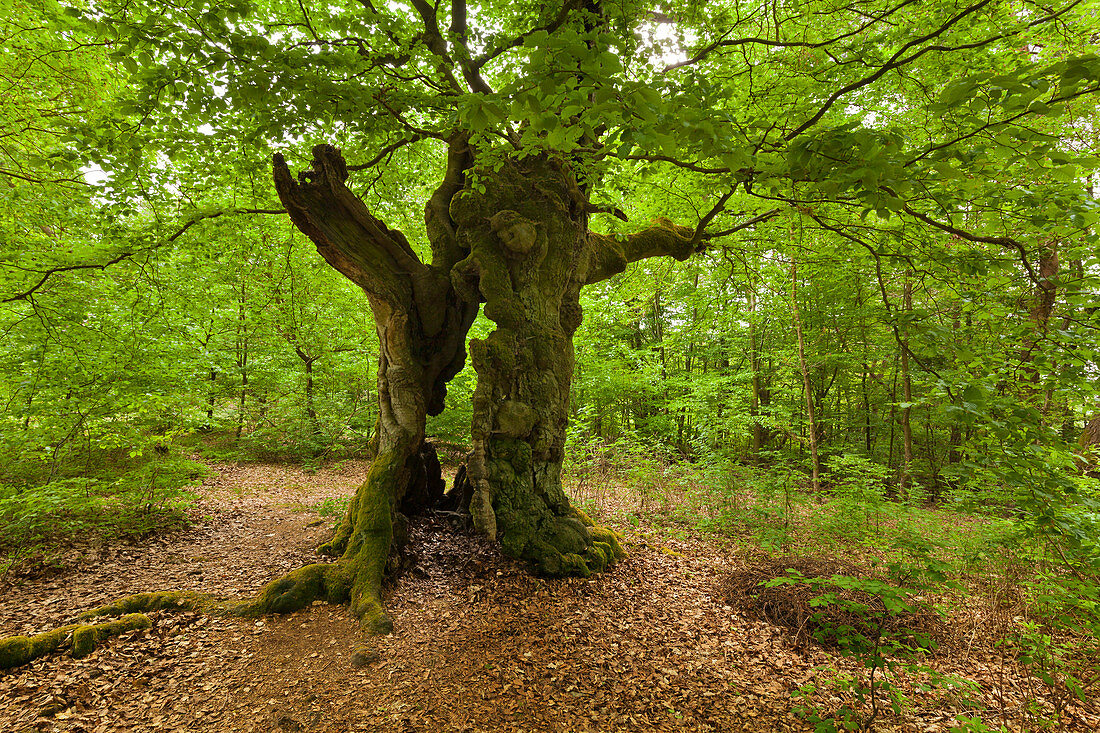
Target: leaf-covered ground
x=480, y=645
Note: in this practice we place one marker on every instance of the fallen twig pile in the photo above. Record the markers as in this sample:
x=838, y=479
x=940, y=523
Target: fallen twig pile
x=826, y=613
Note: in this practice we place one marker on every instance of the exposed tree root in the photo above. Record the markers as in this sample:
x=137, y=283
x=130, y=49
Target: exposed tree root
x=81, y=638
x=292, y=592
x=559, y=545
x=160, y=601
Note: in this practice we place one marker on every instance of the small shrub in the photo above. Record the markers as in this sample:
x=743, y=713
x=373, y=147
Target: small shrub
x=333, y=506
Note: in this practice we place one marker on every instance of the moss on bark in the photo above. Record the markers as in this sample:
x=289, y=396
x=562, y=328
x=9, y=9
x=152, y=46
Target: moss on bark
x=369, y=547
x=19, y=650
x=297, y=590
x=529, y=249
x=144, y=602
x=82, y=639
x=87, y=638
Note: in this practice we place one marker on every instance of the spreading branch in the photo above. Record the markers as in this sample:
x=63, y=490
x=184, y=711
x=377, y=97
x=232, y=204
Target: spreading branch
x=724, y=42
x=743, y=225
x=385, y=152
x=47, y=274
x=567, y=7
x=1008, y=242
x=610, y=254
x=351, y=239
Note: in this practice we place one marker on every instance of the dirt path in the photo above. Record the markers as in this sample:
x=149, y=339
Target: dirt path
x=480, y=645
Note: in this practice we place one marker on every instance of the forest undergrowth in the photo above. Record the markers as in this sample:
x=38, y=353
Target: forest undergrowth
x=908, y=601
x=891, y=579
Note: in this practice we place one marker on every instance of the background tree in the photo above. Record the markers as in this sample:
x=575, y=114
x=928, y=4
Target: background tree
x=528, y=119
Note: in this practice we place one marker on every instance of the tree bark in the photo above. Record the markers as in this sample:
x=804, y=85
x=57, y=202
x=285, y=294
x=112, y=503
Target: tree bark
x=906, y=391
x=516, y=239
x=421, y=323
x=815, y=461
x=528, y=239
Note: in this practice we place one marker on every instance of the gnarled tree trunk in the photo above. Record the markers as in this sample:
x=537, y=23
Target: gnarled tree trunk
x=421, y=323
x=528, y=241
x=518, y=241
x=530, y=254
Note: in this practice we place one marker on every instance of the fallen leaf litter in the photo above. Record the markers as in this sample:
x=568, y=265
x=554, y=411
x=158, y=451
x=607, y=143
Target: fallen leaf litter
x=480, y=644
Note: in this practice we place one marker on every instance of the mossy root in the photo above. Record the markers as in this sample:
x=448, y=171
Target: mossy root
x=83, y=639
x=87, y=638
x=174, y=600
x=296, y=590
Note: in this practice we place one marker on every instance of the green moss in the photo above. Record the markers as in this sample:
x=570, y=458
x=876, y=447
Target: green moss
x=369, y=547
x=87, y=638
x=600, y=556
x=19, y=650
x=15, y=651
x=84, y=641
x=337, y=584
x=574, y=564
x=164, y=600
x=469, y=208
x=608, y=537
x=515, y=419
x=340, y=536
x=585, y=519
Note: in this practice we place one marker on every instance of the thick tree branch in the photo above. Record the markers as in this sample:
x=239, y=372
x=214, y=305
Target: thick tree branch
x=707, y=218
x=678, y=163
x=437, y=217
x=470, y=72
x=611, y=254
x=13, y=174
x=433, y=39
x=68, y=268
x=351, y=239
x=997, y=123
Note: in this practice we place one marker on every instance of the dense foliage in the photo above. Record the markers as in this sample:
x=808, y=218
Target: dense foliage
x=891, y=299
x=892, y=205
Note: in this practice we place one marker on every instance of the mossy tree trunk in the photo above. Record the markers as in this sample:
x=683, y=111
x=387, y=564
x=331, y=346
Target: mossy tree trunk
x=421, y=323
x=516, y=239
x=530, y=254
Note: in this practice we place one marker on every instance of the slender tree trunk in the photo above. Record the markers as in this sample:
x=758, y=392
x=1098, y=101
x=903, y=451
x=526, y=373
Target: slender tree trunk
x=866, y=408
x=954, y=436
x=213, y=379
x=311, y=409
x=759, y=436
x=1040, y=312
x=806, y=386
x=893, y=418
x=906, y=390
x=242, y=366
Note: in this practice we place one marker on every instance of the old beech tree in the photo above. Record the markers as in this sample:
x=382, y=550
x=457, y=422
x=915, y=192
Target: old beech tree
x=893, y=125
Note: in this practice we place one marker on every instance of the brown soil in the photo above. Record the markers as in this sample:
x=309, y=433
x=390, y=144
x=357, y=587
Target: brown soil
x=479, y=644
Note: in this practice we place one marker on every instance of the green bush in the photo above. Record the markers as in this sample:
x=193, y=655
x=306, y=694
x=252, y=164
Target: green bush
x=150, y=495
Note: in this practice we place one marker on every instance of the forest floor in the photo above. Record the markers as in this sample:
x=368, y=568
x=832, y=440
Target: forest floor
x=479, y=644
